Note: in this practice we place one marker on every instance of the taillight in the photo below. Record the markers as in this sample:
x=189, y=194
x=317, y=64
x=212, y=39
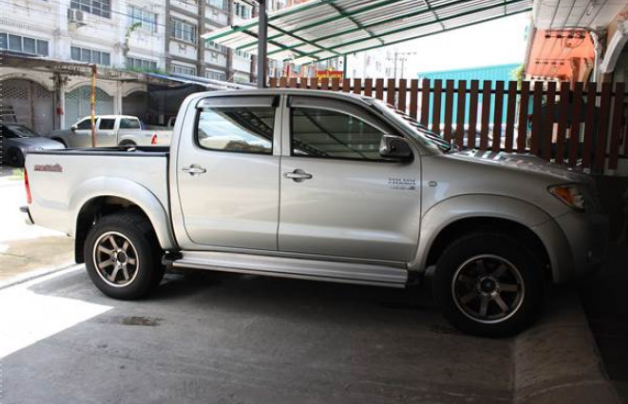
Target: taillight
x=153, y=140
x=29, y=197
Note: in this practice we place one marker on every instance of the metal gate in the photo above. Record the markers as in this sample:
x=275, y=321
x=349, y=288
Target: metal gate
x=136, y=104
x=77, y=104
x=32, y=103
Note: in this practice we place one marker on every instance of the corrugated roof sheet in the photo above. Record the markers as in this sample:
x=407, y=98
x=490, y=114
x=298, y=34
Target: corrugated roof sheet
x=324, y=29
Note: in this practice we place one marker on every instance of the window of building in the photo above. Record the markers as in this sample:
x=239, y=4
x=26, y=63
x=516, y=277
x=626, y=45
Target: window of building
x=219, y=4
x=216, y=75
x=183, y=31
x=96, y=7
x=179, y=69
x=241, y=54
x=140, y=64
x=23, y=44
x=146, y=19
x=214, y=45
x=328, y=134
x=91, y=56
x=239, y=130
x=242, y=10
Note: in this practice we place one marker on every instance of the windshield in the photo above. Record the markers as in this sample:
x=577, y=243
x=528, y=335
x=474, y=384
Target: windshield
x=21, y=131
x=420, y=132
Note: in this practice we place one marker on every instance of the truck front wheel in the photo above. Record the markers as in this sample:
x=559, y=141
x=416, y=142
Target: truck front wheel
x=121, y=256
x=489, y=284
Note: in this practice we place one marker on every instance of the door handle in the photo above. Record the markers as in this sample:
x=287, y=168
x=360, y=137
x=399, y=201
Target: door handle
x=194, y=170
x=298, y=175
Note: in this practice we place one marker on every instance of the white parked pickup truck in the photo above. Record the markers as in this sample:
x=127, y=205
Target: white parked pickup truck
x=323, y=186
x=112, y=130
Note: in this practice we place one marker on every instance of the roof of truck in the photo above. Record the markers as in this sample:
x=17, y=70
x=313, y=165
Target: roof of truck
x=288, y=91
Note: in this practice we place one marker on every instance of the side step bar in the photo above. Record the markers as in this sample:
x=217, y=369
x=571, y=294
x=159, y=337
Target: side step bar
x=329, y=271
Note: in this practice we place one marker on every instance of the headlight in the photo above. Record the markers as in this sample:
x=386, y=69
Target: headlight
x=570, y=195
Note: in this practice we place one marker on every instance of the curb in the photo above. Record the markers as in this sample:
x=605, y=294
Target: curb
x=557, y=360
x=39, y=273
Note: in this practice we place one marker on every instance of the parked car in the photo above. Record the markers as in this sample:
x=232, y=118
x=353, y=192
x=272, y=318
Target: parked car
x=324, y=186
x=18, y=141
x=112, y=130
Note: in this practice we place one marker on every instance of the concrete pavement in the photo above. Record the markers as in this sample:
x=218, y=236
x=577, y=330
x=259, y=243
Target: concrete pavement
x=225, y=338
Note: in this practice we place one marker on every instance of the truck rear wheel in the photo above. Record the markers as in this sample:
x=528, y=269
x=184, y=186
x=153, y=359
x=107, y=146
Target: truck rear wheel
x=489, y=284
x=122, y=256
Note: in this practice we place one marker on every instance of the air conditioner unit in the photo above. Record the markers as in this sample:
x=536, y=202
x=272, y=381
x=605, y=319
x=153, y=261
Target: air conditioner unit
x=76, y=17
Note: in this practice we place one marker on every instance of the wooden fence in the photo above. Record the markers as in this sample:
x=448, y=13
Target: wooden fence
x=573, y=125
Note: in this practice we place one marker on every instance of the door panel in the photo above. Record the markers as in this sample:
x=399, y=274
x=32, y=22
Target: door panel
x=346, y=200
x=229, y=179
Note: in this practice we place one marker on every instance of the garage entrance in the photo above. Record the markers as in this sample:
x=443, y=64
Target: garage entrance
x=32, y=104
x=77, y=104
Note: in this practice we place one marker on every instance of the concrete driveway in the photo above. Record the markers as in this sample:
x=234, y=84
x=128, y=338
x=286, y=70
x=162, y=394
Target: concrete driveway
x=220, y=338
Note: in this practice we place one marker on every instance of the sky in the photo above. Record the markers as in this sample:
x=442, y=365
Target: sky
x=497, y=42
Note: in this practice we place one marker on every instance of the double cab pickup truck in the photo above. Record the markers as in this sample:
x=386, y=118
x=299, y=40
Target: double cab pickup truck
x=112, y=130
x=324, y=186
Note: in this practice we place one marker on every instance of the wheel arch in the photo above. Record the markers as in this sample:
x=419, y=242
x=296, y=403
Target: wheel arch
x=105, y=196
x=457, y=216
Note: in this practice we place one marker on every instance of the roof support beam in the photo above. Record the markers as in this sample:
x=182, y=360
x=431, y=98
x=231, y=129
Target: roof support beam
x=290, y=34
x=409, y=27
x=331, y=19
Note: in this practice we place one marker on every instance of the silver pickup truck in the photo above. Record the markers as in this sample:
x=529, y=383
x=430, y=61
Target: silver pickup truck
x=112, y=130
x=324, y=186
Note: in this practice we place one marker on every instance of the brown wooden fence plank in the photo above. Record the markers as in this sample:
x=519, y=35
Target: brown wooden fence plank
x=436, y=101
x=283, y=82
x=272, y=82
x=357, y=86
x=460, y=112
x=335, y=84
x=563, y=112
x=486, y=111
x=602, y=130
x=511, y=110
x=618, y=115
x=368, y=87
x=292, y=83
x=589, y=126
x=449, y=107
x=379, y=89
x=547, y=132
x=414, y=98
x=522, y=122
x=403, y=94
x=325, y=83
x=474, y=95
x=390, y=91
x=314, y=83
x=425, y=102
x=574, y=130
x=536, y=117
x=498, y=115
x=346, y=85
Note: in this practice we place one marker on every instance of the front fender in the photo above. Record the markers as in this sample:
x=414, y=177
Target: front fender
x=134, y=193
x=451, y=210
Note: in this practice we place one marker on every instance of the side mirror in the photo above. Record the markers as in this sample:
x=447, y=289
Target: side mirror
x=395, y=147
x=73, y=128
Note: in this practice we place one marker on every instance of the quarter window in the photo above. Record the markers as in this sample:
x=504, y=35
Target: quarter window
x=127, y=123
x=240, y=130
x=329, y=134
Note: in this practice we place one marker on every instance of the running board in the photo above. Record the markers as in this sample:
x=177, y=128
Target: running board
x=329, y=271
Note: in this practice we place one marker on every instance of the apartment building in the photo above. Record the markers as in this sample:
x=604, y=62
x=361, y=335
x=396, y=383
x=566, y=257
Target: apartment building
x=116, y=35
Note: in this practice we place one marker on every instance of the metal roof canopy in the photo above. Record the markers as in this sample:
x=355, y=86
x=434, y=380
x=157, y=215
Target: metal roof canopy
x=325, y=29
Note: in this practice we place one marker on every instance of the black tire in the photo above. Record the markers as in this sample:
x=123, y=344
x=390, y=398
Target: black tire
x=489, y=284
x=140, y=266
x=16, y=158
x=127, y=143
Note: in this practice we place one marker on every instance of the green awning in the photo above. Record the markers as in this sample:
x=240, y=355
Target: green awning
x=325, y=29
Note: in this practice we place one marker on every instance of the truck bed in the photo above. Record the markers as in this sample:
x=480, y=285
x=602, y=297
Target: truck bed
x=62, y=181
